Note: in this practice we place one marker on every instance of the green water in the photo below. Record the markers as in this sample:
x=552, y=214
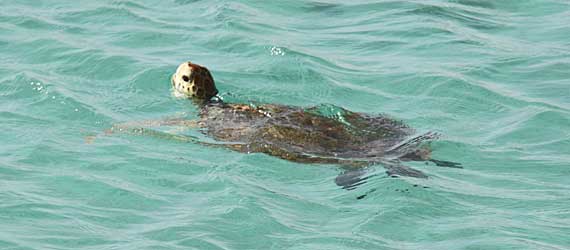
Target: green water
x=492, y=76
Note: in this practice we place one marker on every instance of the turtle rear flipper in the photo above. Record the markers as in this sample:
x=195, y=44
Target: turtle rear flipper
x=396, y=168
x=354, y=177
x=447, y=164
x=351, y=178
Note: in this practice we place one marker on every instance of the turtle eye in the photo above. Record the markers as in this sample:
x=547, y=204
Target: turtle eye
x=185, y=78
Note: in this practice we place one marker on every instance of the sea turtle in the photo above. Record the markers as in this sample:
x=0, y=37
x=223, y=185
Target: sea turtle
x=322, y=134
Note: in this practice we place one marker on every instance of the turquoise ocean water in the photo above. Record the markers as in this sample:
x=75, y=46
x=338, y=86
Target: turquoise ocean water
x=492, y=76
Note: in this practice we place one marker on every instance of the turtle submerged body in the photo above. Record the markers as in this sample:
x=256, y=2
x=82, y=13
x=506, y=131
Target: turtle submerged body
x=307, y=135
x=323, y=134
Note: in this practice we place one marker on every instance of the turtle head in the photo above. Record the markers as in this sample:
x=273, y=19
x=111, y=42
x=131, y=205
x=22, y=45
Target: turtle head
x=194, y=81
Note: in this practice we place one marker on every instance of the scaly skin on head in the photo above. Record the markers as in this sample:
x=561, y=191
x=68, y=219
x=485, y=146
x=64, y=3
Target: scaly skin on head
x=194, y=81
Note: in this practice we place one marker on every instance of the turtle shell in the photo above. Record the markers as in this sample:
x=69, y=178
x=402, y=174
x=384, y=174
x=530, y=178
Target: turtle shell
x=321, y=134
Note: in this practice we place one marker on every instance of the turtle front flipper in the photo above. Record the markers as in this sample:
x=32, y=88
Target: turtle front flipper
x=145, y=128
x=181, y=122
x=140, y=127
x=180, y=138
x=396, y=168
